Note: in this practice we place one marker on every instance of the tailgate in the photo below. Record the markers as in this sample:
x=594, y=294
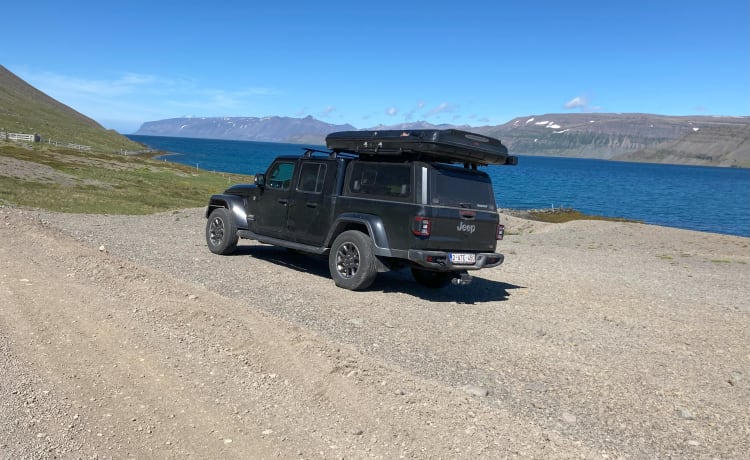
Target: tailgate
x=455, y=229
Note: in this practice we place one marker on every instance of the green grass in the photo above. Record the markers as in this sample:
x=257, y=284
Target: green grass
x=79, y=182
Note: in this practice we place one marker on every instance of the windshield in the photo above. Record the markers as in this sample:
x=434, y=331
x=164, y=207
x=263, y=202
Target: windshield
x=461, y=187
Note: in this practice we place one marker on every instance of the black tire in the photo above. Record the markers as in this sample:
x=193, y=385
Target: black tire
x=352, y=262
x=221, y=232
x=431, y=279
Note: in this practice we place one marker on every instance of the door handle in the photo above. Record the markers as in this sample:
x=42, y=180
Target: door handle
x=283, y=201
x=311, y=204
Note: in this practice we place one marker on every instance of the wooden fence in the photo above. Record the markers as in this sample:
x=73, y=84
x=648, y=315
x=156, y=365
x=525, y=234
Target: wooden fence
x=21, y=137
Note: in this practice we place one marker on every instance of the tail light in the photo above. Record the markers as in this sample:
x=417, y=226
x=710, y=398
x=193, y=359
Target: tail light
x=500, y=231
x=421, y=226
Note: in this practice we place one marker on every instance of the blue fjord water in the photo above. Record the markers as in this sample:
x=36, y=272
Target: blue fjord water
x=692, y=197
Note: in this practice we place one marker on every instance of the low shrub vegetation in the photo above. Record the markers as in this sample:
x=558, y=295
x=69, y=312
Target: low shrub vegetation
x=80, y=182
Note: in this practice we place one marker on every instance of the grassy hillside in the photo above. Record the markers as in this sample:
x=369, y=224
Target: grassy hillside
x=24, y=109
x=101, y=180
x=99, y=183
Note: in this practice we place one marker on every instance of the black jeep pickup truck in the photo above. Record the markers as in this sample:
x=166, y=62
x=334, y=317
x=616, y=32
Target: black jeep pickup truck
x=377, y=201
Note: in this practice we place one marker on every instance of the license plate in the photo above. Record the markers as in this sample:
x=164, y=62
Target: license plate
x=463, y=259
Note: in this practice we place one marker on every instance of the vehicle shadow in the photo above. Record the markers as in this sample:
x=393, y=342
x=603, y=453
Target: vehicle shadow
x=480, y=290
x=306, y=263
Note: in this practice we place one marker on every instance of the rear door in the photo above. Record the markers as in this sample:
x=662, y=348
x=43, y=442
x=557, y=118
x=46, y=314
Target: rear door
x=310, y=206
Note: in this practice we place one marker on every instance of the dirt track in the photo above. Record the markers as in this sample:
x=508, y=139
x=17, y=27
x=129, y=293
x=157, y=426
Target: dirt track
x=124, y=337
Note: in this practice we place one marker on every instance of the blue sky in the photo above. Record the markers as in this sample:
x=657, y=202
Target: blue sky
x=467, y=63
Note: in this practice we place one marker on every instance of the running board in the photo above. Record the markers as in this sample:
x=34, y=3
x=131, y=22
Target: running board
x=247, y=234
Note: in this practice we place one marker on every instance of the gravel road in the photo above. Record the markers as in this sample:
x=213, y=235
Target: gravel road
x=124, y=337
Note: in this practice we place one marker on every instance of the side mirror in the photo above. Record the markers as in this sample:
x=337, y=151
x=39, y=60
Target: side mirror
x=260, y=180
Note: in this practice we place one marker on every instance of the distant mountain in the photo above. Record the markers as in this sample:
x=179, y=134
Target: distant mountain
x=24, y=109
x=721, y=141
x=306, y=130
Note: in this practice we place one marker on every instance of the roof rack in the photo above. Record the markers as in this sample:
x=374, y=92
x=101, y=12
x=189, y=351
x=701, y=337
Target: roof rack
x=310, y=151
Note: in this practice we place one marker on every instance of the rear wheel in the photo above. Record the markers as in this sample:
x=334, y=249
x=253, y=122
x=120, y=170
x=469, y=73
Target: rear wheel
x=221, y=232
x=352, y=262
x=431, y=279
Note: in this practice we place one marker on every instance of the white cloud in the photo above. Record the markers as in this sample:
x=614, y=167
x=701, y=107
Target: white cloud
x=578, y=102
x=444, y=107
x=327, y=111
x=391, y=111
x=408, y=116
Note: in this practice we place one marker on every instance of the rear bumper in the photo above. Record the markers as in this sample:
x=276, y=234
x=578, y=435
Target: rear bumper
x=440, y=260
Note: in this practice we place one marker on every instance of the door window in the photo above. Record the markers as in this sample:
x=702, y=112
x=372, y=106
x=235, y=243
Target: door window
x=312, y=177
x=280, y=176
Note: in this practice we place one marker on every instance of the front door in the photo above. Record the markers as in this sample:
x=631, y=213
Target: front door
x=273, y=205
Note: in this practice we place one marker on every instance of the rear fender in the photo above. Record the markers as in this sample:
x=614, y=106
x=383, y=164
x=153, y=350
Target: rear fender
x=235, y=204
x=372, y=223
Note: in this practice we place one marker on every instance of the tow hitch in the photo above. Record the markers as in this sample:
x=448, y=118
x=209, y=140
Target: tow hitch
x=461, y=279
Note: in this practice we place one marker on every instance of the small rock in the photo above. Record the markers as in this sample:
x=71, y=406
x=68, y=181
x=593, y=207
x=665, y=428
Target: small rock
x=475, y=390
x=535, y=386
x=192, y=296
x=102, y=248
x=735, y=378
x=694, y=443
x=685, y=414
x=539, y=404
x=267, y=431
x=567, y=417
x=227, y=441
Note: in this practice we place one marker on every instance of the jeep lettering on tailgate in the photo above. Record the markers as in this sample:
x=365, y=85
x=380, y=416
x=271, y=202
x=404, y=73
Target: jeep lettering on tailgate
x=464, y=227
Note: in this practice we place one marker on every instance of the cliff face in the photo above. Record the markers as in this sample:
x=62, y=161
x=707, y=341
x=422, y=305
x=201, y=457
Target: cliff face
x=718, y=144
x=720, y=141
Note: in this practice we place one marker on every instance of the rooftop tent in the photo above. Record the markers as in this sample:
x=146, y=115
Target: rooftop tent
x=446, y=145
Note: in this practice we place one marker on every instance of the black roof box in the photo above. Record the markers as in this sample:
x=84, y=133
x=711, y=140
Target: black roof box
x=444, y=145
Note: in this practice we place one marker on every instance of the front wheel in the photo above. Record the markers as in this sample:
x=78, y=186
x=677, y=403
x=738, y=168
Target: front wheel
x=221, y=232
x=352, y=262
x=431, y=279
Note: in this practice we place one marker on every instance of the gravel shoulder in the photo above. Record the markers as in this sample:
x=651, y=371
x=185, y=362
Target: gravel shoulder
x=122, y=336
